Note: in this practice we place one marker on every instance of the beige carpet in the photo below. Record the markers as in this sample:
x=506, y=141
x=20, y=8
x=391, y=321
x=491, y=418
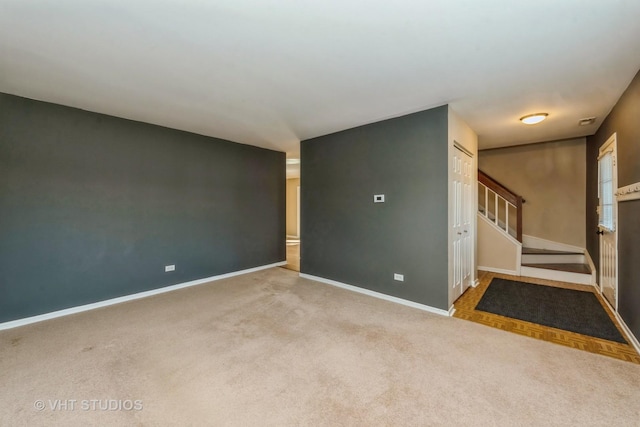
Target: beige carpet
x=270, y=348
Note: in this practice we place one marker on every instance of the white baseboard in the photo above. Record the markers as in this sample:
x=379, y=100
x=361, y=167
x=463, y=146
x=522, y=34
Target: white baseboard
x=475, y=283
x=376, y=294
x=79, y=309
x=633, y=340
x=540, y=243
x=499, y=270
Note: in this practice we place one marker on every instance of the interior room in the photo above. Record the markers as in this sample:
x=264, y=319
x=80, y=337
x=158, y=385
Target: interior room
x=319, y=213
x=293, y=214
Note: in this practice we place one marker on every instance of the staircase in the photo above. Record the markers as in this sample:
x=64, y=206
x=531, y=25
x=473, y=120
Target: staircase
x=500, y=205
x=563, y=265
x=501, y=209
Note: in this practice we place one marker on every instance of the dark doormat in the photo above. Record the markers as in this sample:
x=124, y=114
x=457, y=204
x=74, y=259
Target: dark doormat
x=575, y=311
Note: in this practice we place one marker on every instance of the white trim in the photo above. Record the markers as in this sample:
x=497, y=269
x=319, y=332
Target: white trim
x=628, y=192
x=540, y=243
x=476, y=282
x=519, y=259
x=298, y=210
x=592, y=266
x=79, y=309
x=452, y=311
x=517, y=246
x=610, y=144
x=560, y=276
x=498, y=270
x=632, y=338
x=607, y=150
x=494, y=225
x=376, y=294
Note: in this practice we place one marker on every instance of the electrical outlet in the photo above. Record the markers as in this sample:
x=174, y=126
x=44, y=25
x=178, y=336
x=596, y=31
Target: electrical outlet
x=378, y=198
x=168, y=268
x=398, y=277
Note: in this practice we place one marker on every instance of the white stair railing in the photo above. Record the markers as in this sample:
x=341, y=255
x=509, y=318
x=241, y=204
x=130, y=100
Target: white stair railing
x=496, y=209
x=500, y=205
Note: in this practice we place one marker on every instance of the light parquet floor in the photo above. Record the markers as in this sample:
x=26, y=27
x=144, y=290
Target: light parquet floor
x=465, y=309
x=293, y=257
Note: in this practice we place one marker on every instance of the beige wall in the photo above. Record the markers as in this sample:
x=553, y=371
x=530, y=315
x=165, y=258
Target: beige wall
x=551, y=176
x=496, y=251
x=292, y=206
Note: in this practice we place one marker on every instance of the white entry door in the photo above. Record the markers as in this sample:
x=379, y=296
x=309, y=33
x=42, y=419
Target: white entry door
x=463, y=211
x=607, y=220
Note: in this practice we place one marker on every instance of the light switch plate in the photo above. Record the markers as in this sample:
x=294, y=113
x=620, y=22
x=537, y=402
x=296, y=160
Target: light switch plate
x=378, y=198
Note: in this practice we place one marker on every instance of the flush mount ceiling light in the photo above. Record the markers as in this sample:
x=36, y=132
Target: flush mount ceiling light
x=532, y=119
x=293, y=161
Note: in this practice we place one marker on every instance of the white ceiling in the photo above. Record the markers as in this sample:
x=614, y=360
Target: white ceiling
x=273, y=72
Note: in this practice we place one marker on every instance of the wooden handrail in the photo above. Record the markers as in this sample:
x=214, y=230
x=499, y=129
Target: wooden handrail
x=494, y=185
x=506, y=194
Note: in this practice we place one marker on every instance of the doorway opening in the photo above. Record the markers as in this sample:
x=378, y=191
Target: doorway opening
x=293, y=223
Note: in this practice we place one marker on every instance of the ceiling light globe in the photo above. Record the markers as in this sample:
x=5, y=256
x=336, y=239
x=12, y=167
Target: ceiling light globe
x=532, y=119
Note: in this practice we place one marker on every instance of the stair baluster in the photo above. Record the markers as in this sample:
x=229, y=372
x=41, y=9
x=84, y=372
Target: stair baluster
x=491, y=192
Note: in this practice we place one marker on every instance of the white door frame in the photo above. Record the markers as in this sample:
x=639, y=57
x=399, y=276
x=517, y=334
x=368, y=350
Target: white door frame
x=298, y=210
x=610, y=146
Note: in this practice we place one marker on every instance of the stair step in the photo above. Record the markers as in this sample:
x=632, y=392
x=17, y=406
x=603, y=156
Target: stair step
x=535, y=251
x=571, y=268
x=553, y=259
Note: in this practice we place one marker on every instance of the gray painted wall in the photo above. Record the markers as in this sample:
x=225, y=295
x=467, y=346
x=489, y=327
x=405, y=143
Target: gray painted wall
x=93, y=207
x=348, y=238
x=624, y=120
